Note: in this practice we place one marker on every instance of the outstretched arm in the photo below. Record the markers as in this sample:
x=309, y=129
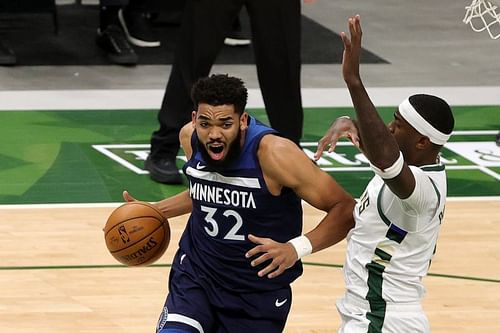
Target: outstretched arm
x=379, y=145
x=381, y=148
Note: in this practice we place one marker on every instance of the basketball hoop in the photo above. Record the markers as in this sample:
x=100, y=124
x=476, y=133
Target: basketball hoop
x=483, y=15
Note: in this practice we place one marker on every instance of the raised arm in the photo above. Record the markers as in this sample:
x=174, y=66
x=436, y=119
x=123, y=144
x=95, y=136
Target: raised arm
x=379, y=145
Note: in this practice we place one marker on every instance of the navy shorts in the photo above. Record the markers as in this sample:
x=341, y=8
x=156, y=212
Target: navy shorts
x=195, y=305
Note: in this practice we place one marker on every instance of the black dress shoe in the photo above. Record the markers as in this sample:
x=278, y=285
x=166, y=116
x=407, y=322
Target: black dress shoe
x=112, y=40
x=7, y=56
x=163, y=170
x=137, y=28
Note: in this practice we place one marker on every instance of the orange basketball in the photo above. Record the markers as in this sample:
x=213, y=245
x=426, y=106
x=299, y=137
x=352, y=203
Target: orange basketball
x=137, y=234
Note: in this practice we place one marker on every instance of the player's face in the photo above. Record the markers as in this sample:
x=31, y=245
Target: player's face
x=218, y=128
x=406, y=136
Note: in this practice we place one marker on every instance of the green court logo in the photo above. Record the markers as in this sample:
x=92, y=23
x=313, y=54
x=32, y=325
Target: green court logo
x=482, y=156
x=130, y=156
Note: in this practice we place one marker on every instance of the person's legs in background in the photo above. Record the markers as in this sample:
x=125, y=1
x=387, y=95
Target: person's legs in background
x=237, y=36
x=135, y=22
x=7, y=55
x=276, y=37
x=205, y=25
x=110, y=36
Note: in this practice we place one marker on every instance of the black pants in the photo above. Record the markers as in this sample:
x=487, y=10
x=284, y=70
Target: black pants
x=141, y=4
x=276, y=41
x=113, y=2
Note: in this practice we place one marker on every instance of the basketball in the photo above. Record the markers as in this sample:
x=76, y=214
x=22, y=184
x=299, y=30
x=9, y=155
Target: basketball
x=137, y=233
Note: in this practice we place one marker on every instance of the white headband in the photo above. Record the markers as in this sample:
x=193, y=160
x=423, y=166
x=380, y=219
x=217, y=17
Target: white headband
x=411, y=115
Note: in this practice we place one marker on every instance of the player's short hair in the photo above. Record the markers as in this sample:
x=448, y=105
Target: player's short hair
x=220, y=89
x=435, y=111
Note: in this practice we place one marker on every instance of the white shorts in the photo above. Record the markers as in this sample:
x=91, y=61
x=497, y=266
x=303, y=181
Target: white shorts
x=396, y=318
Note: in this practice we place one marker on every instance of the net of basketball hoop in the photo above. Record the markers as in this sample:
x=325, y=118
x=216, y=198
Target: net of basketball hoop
x=483, y=15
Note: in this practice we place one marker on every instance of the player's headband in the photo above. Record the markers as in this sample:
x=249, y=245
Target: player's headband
x=411, y=115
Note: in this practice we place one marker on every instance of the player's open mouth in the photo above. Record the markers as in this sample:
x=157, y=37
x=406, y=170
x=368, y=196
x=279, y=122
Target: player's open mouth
x=216, y=151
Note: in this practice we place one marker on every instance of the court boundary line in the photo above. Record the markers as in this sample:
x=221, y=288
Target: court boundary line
x=305, y=263
x=106, y=150
x=116, y=204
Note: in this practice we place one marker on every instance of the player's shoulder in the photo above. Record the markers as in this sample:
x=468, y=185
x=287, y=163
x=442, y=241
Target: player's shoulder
x=274, y=149
x=279, y=153
x=429, y=180
x=185, y=135
x=187, y=130
x=273, y=143
x=428, y=172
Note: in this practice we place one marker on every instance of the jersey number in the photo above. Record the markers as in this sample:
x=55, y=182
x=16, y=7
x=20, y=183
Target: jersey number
x=364, y=202
x=213, y=228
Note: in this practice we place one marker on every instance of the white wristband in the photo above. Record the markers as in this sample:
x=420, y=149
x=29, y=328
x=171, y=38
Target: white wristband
x=392, y=171
x=302, y=246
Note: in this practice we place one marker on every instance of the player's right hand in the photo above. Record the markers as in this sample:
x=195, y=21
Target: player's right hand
x=127, y=197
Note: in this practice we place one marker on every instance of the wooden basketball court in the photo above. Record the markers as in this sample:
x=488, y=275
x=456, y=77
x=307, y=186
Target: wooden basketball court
x=57, y=276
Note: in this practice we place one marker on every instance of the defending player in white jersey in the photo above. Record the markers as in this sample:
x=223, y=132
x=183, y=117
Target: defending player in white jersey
x=399, y=214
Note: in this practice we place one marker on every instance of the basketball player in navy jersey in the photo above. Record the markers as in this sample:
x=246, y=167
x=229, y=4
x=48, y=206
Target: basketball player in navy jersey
x=246, y=183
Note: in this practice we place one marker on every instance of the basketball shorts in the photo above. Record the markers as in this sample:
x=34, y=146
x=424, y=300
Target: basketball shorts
x=194, y=304
x=357, y=317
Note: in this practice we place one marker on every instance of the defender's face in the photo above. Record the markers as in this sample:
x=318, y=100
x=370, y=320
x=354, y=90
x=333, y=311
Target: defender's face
x=218, y=128
x=406, y=136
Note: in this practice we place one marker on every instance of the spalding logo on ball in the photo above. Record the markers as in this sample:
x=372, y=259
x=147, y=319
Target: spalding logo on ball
x=137, y=233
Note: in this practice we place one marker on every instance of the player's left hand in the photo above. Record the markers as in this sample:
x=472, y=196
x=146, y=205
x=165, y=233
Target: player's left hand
x=127, y=197
x=342, y=127
x=282, y=256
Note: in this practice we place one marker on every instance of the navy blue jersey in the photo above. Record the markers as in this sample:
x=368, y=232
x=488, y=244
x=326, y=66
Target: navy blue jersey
x=229, y=204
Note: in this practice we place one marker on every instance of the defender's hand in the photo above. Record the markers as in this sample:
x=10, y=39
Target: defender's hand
x=352, y=50
x=342, y=127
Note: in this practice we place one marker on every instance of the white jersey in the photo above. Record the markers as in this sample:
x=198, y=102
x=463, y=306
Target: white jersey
x=390, y=248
